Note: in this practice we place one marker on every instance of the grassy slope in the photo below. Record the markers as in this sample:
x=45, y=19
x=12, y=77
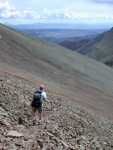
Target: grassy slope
x=102, y=50
x=84, y=80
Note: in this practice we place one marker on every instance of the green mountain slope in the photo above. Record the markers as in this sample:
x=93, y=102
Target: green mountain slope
x=99, y=48
x=102, y=48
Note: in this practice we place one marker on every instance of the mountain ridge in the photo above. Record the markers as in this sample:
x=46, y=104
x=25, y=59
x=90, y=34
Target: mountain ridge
x=98, y=48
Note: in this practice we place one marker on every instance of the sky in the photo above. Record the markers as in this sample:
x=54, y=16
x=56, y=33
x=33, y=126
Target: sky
x=32, y=11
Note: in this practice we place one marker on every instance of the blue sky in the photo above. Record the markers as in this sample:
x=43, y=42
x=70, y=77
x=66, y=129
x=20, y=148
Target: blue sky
x=30, y=11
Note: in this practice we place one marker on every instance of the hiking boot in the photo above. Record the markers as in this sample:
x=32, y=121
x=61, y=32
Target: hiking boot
x=34, y=122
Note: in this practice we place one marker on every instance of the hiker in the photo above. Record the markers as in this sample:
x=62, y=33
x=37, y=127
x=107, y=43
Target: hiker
x=38, y=98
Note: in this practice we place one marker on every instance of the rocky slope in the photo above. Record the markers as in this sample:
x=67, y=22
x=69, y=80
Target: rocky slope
x=66, y=126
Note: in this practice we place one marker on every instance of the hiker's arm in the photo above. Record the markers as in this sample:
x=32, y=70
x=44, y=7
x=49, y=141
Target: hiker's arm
x=45, y=97
x=47, y=100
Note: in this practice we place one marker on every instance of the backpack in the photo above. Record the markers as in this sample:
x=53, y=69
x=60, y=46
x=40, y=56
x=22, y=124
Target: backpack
x=38, y=96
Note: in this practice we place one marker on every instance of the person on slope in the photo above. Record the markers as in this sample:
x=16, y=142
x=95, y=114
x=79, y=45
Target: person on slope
x=39, y=97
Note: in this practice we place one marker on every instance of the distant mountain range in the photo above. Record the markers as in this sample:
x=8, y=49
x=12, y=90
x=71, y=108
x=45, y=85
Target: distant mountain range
x=60, y=35
x=67, y=25
x=96, y=44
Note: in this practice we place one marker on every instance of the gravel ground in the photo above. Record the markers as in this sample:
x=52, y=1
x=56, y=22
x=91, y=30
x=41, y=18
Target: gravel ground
x=65, y=126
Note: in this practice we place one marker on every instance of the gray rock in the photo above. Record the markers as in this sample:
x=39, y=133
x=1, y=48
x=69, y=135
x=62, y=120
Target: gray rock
x=14, y=134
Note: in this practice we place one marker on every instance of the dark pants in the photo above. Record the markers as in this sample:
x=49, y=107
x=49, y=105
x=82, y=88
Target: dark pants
x=37, y=105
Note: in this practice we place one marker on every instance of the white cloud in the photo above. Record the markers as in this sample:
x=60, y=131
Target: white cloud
x=73, y=11
x=6, y=10
x=9, y=11
x=104, y=1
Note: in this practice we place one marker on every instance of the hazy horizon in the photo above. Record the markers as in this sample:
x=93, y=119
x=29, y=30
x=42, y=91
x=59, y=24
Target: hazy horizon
x=83, y=12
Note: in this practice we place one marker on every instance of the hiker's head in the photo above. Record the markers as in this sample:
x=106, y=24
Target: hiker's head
x=42, y=87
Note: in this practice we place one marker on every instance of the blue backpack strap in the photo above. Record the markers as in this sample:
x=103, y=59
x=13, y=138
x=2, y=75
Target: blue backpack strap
x=38, y=91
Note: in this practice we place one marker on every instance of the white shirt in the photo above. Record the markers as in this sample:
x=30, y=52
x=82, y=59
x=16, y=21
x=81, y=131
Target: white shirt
x=44, y=95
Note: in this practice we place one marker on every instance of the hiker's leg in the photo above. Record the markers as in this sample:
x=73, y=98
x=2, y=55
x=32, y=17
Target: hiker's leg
x=40, y=115
x=40, y=112
x=34, y=113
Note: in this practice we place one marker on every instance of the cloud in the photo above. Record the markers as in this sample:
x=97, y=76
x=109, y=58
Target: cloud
x=4, y=5
x=6, y=10
x=103, y=1
x=80, y=13
x=9, y=11
x=81, y=10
